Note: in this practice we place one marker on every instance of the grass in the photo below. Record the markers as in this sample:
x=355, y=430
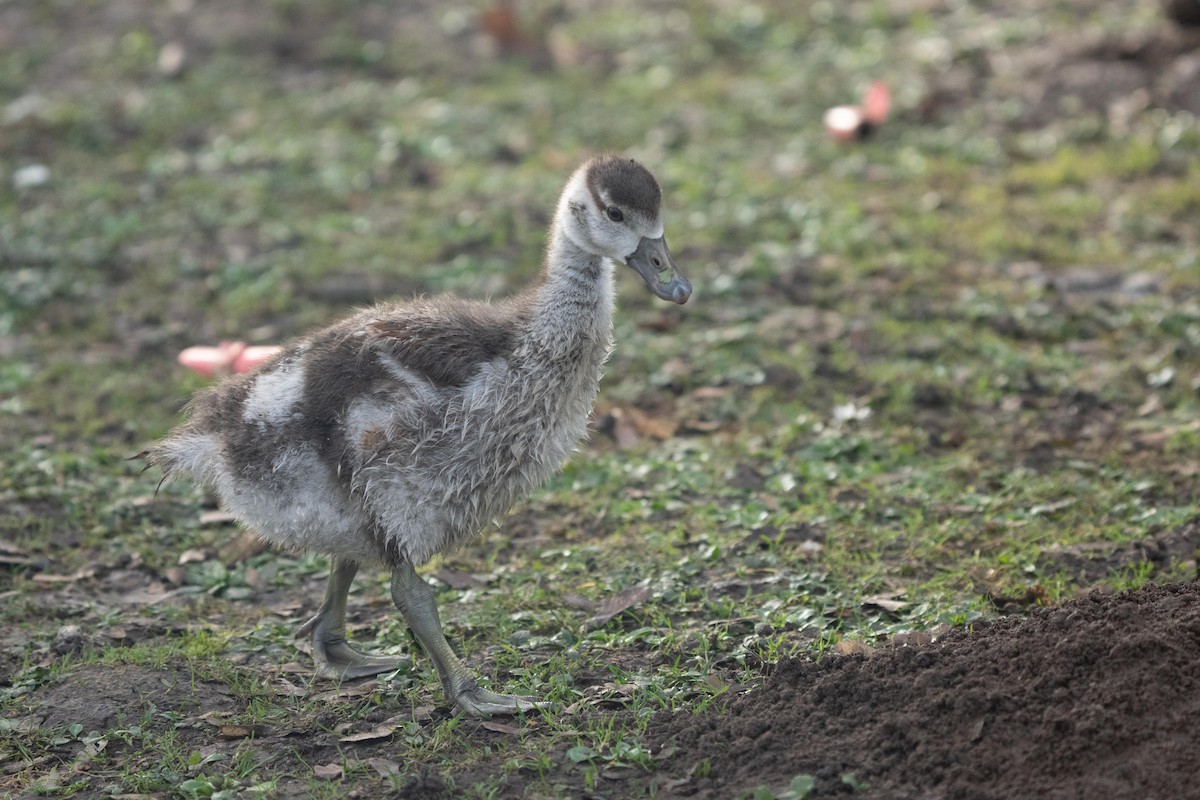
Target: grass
x=918, y=373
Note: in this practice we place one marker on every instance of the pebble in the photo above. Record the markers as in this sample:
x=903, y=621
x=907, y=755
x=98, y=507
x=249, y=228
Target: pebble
x=68, y=639
x=30, y=176
x=171, y=59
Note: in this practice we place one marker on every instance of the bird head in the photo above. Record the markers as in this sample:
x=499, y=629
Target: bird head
x=612, y=207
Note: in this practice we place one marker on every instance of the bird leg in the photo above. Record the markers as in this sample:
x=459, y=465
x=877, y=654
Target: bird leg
x=415, y=600
x=333, y=657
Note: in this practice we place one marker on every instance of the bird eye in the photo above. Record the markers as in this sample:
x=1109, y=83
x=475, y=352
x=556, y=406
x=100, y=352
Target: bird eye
x=614, y=213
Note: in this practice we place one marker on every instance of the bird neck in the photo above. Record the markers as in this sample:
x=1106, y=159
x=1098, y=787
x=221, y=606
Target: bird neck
x=573, y=302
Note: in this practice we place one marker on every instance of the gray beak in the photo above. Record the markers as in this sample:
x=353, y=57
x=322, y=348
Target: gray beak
x=652, y=261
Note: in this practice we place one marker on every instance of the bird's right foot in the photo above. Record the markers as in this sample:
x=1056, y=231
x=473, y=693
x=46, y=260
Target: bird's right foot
x=334, y=658
x=340, y=661
x=479, y=702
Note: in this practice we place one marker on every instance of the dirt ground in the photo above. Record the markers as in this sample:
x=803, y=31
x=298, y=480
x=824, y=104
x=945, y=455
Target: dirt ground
x=1113, y=77
x=1097, y=698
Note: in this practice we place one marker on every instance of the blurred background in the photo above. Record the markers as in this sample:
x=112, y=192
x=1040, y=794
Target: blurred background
x=180, y=172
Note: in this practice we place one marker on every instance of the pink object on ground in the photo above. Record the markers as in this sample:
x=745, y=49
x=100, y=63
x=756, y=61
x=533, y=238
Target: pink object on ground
x=851, y=123
x=877, y=102
x=226, y=358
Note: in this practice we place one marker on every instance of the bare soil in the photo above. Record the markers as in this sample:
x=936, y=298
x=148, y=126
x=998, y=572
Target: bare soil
x=1096, y=698
x=1073, y=75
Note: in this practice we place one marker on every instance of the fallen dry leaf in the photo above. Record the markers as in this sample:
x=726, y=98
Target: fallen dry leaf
x=626, y=425
x=239, y=731
x=620, y=426
x=254, y=579
x=346, y=692
x=619, y=603
x=10, y=554
x=623, y=689
x=49, y=780
x=83, y=573
x=1188, y=469
x=195, y=555
x=609, y=694
x=26, y=763
x=217, y=517
x=229, y=730
x=89, y=752
x=327, y=772
x=289, y=689
x=500, y=727
x=577, y=602
x=1153, y=405
x=384, y=766
x=287, y=608
x=887, y=602
x=711, y=392
x=1051, y=508
x=242, y=548
x=291, y=667
x=656, y=427
x=457, y=579
x=384, y=731
x=700, y=426
x=681, y=783
x=25, y=724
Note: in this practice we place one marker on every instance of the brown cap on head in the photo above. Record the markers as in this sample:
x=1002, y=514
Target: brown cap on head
x=627, y=183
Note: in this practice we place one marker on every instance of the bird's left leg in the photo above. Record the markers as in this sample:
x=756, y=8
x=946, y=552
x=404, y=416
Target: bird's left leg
x=415, y=600
x=333, y=656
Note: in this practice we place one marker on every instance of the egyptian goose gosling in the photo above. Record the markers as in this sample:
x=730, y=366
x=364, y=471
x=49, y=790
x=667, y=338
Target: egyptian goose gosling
x=400, y=431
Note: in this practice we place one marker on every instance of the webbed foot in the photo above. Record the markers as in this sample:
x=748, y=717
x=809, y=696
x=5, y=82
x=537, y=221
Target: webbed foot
x=334, y=658
x=479, y=702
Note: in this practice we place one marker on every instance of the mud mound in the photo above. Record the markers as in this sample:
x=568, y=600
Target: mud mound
x=1097, y=698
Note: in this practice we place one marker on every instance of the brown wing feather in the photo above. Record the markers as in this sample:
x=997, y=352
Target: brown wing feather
x=447, y=342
